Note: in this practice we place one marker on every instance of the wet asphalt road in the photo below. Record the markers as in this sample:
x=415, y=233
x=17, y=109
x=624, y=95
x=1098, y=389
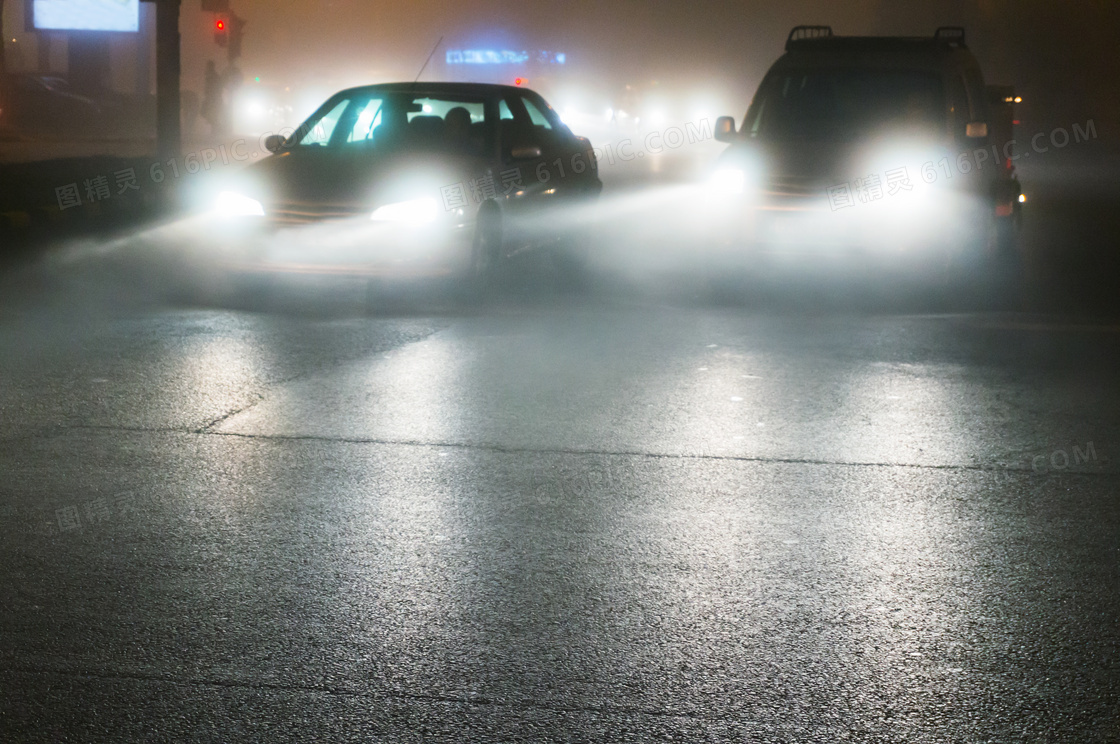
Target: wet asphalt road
x=594, y=518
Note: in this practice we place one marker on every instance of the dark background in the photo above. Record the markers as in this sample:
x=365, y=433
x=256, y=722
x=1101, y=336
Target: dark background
x=1062, y=56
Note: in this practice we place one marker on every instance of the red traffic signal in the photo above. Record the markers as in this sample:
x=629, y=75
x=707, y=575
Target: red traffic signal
x=221, y=31
x=520, y=81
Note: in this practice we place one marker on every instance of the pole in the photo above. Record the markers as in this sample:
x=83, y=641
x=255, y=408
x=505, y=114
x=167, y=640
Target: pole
x=3, y=38
x=168, y=127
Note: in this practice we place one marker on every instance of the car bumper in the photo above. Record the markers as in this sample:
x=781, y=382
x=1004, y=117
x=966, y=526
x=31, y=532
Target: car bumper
x=351, y=247
x=889, y=230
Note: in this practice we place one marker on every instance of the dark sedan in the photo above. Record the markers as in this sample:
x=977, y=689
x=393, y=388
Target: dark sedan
x=411, y=179
x=43, y=104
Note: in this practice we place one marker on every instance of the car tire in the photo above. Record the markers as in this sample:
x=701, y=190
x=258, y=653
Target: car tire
x=987, y=272
x=484, y=273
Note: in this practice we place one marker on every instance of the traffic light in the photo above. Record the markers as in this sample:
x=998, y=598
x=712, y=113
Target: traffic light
x=221, y=31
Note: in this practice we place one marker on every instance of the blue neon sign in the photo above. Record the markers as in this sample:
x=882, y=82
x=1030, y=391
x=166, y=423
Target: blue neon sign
x=503, y=57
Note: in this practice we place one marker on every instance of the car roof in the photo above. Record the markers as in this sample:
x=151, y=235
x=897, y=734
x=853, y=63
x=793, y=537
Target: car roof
x=470, y=89
x=815, y=46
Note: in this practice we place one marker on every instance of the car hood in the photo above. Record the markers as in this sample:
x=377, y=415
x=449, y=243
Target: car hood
x=798, y=160
x=800, y=164
x=355, y=178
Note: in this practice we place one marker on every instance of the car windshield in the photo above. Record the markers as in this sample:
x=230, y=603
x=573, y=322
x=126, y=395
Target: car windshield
x=373, y=119
x=843, y=104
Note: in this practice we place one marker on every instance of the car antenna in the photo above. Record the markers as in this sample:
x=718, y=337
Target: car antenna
x=429, y=59
x=414, y=82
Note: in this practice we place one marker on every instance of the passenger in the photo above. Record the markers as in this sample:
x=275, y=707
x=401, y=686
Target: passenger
x=457, y=129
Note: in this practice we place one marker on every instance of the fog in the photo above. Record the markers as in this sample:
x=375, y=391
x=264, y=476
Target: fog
x=1062, y=56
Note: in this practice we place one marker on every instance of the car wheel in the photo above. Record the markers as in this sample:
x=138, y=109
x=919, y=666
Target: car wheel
x=486, y=256
x=1006, y=274
x=985, y=272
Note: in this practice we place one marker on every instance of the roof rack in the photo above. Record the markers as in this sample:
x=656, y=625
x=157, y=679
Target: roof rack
x=950, y=34
x=803, y=33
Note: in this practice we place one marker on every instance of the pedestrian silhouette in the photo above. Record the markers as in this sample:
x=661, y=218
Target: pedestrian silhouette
x=213, y=104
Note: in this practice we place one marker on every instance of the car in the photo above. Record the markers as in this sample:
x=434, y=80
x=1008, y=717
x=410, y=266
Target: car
x=888, y=148
x=46, y=104
x=410, y=180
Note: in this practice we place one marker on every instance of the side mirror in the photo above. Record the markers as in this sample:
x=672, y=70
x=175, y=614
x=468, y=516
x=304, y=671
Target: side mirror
x=526, y=152
x=725, y=129
x=976, y=130
x=274, y=143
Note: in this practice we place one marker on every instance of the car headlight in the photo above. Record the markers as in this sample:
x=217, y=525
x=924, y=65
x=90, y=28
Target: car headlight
x=728, y=181
x=414, y=210
x=232, y=204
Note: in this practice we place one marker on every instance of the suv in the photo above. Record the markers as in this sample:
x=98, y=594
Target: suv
x=881, y=146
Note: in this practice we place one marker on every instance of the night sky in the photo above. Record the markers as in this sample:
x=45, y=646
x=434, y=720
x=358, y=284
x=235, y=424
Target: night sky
x=1062, y=56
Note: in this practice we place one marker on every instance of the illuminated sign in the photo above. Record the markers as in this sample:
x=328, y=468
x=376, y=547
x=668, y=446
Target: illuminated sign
x=503, y=57
x=85, y=15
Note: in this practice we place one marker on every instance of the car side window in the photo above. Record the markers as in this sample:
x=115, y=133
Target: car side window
x=976, y=91
x=516, y=125
x=368, y=119
x=959, y=105
x=529, y=125
x=322, y=129
x=756, y=122
x=535, y=114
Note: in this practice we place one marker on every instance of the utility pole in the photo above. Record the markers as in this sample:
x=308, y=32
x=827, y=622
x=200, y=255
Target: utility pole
x=3, y=38
x=236, y=34
x=168, y=73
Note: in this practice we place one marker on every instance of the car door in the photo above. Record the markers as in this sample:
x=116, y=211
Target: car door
x=329, y=171
x=543, y=166
x=969, y=156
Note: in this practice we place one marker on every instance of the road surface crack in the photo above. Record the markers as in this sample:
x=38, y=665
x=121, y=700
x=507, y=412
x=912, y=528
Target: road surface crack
x=578, y=452
x=474, y=701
